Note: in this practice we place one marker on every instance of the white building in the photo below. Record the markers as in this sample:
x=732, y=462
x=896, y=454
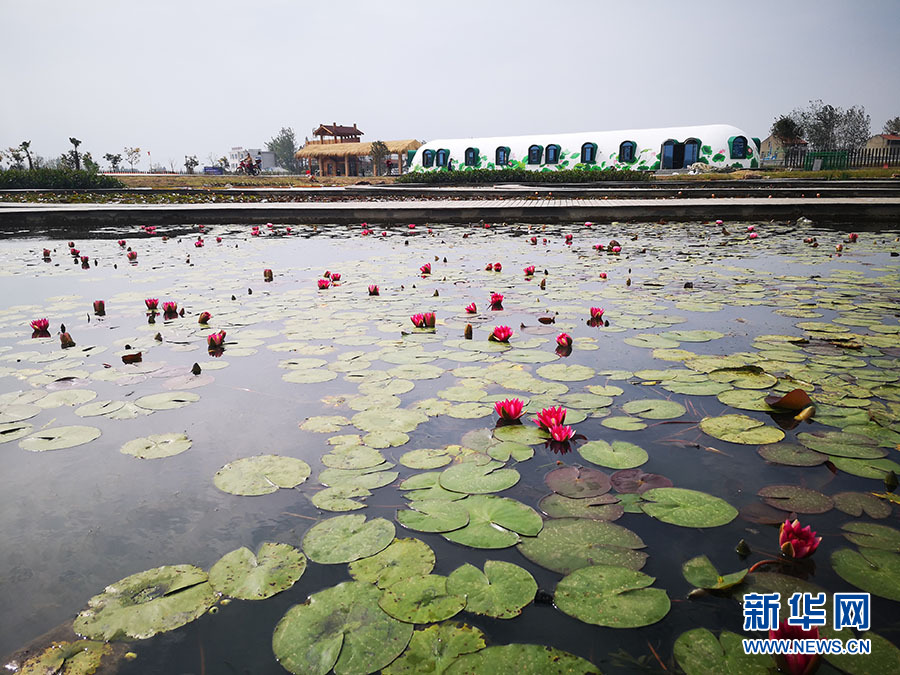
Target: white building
x=237, y=154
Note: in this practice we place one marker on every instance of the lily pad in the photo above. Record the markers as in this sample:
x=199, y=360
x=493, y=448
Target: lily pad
x=427, y=458
x=324, y=424
x=866, y=468
x=615, y=455
x=521, y=659
x=699, y=652
x=261, y=475
x=347, y=538
x=562, y=372
x=157, y=446
x=473, y=478
x=624, y=423
x=435, y=648
x=340, y=498
x=613, y=596
x=795, y=499
x=636, y=481
x=857, y=503
x=568, y=544
x=59, y=438
x=167, y=401
x=701, y=573
x=426, y=486
x=144, y=604
x=520, y=433
x=421, y=599
x=97, y=408
x=870, y=569
x=82, y=657
x=687, y=508
x=501, y=591
x=654, y=409
x=873, y=535
x=884, y=657
x=495, y=522
x=13, y=431
x=604, y=507
x=397, y=419
x=434, y=515
x=791, y=454
x=342, y=628
x=243, y=575
x=352, y=457
x=842, y=444
x=740, y=429
x=402, y=559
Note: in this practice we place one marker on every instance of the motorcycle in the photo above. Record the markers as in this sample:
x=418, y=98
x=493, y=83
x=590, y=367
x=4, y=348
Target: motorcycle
x=250, y=167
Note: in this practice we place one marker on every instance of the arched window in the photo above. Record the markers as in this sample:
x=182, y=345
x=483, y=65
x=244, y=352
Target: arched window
x=691, y=151
x=552, y=153
x=442, y=156
x=502, y=156
x=535, y=152
x=627, y=151
x=668, y=154
x=472, y=156
x=738, y=146
x=589, y=153
x=428, y=158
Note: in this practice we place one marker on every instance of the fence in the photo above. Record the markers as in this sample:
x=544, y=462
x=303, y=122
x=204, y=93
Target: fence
x=802, y=158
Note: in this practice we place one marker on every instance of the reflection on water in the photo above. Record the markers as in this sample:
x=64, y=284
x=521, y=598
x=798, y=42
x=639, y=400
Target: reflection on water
x=78, y=519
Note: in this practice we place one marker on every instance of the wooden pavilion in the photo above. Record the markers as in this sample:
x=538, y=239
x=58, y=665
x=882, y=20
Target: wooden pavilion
x=342, y=159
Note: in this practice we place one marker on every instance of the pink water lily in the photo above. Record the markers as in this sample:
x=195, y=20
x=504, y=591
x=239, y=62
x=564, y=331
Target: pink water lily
x=501, y=334
x=268, y=275
x=99, y=307
x=550, y=417
x=199, y=243
x=40, y=325
x=170, y=308
x=204, y=317
x=568, y=238
x=373, y=289
x=602, y=275
x=560, y=433
x=796, y=664
x=533, y=241
x=498, y=267
x=75, y=252
x=327, y=274
x=719, y=222
x=616, y=249
x=215, y=340
x=496, y=301
x=412, y=226
x=152, y=303
x=529, y=271
x=122, y=242
x=470, y=308
x=46, y=254
x=323, y=284
x=797, y=542
x=588, y=224
x=597, y=313
x=489, y=267
x=218, y=240
x=853, y=236
x=426, y=268
x=753, y=235
x=84, y=259
x=132, y=255
x=424, y=320
x=510, y=409
x=335, y=277
x=750, y=228
x=564, y=340
x=598, y=247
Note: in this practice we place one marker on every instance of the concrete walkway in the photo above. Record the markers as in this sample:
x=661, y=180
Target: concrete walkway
x=853, y=210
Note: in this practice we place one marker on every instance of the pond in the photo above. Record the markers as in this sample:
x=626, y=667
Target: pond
x=327, y=425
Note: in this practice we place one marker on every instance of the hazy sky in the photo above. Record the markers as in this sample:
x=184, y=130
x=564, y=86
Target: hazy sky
x=200, y=76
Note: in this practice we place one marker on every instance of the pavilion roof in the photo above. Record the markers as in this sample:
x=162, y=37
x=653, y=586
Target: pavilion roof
x=354, y=149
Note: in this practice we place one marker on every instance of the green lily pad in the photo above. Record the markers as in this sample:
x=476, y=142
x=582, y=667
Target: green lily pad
x=501, y=591
x=884, y=658
x=576, y=482
x=352, y=457
x=261, y=475
x=402, y=559
x=416, y=371
x=654, y=409
x=426, y=486
x=371, y=478
x=98, y=408
x=347, y=538
x=308, y=375
x=615, y=455
x=520, y=433
x=568, y=544
x=692, y=335
x=699, y=652
x=796, y=499
x=434, y=515
x=342, y=628
x=167, y=401
x=427, y=458
x=495, y=522
x=518, y=452
x=324, y=424
x=605, y=507
x=585, y=400
x=59, y=438
x=650, y=341
x=243, y=575
x=873, y=535
x=521, y=659
x=791, y=454
x=866, y=468
x=745, y=399
x=740, y=429
x=857, y=503
x=71, y=397
x=473, y=478
x=562, y=372
x=623, y=423
x=687, y=508
x=144, y=604
x=613, y=596
x=397, y=419
x=17, y=412
x=157, y=446
x=842, y=444
x=435, y=648
x=870, y=569
x=421, y=599
x=340, y=498
x=13, y=431
x=701, y=573
x=82, y=657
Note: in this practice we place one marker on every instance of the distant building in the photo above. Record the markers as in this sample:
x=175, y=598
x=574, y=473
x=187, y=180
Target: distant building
x=772, y=149
x=338, y=151
x=238, y=153
x=879, y=141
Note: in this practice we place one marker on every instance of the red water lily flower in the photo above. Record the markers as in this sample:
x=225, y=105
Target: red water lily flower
x=489, y=267
x=132, y=255
x=215, y=340
x=122, y=242
x=426, y=268
x=323, y=284
x=40, y=325
x=99, y=307
x=498, y=267
x=170, y=308
x=597, y=313
x=470, y=308
x=796, y=541
x=616, y=249
x=199, y=243
x=424, y=320
x=335, y=277
x=568, y=238
x=796, y=664
x=219, y=239
x=603, y=275
x=560, y=433
x=46, y=254
x=74, y=252
x=204, y=317
x=152, y=303
x=529, y=271
x=510, y=410
x=564, y=340
x=501, y=334
x=534, y=241
x=550, y=417
x=496, y=301
x=373, y=289
x=268, y=275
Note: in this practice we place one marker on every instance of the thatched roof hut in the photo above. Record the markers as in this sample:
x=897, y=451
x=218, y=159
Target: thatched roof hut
x=331, y=155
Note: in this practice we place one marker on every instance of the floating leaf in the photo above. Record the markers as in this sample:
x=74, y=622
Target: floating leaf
x=435, y=648
x=98, y=408
x=699, y=652
x=421, y=599
x=576, y=482
x=13, y=431
x=873, y=535
x=426, y=486
x=857, y=503
x=623, y=423
x=884, y=657
x=82, y=657
x=701, y=573
x=428, y=458
x=501, y=591
x=870, y=569
x=341, y=627
x=340, y=498
x=397, y=419
x=562, y=372
x=569, y=544
x=59, y=438
x=866, y=468
x=687, y=508
x=637, y=481
x=243, y=575
x=17, y=412
x=613, y=596
x=654, y=409
x=261, y=475
x=434, y=515
x=795, y=499
x=347, y=538
x=324, y=424
x=502, y=452
x=519, y=433
x=615, y=455
x=842, y=444
x=495, y=522
x=402, y=559
x=521, y=659
x=352, y=457
x=157, y=446
x=167, y=401
x=740, y=429
x=473, y=478
x=144, y=604
x=791, y=454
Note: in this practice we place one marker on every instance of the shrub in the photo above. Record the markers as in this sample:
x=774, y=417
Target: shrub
x=55, y=179
x=520, y=176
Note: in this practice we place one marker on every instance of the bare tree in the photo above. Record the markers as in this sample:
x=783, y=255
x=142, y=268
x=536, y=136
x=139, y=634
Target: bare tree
x=25, y=145
x=75, y=142
x=114, y=160
x=190, y=163
x=132, y=155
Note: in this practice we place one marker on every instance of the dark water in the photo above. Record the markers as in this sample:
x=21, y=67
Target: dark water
x=78, y=519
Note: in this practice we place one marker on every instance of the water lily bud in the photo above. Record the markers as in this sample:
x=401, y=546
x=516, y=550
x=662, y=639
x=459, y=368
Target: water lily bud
x=742, y=548
x=66, y=341
x=543, y=284
x=468, y=332
x=890, y=481
x=195, y=369
x=267, y=275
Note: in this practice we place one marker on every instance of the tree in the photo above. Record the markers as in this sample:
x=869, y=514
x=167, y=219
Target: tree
x=114, y=160
x=89, y=163
x=854, y=129
x=75, y=142
x=830, y=128
x=223, y=162
x=892, y=126
x=25, y=145
x=15, y=156
x=132, y=155
x=190, y=163
x=284, y=145
x=786, y=131
x=379, y=153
